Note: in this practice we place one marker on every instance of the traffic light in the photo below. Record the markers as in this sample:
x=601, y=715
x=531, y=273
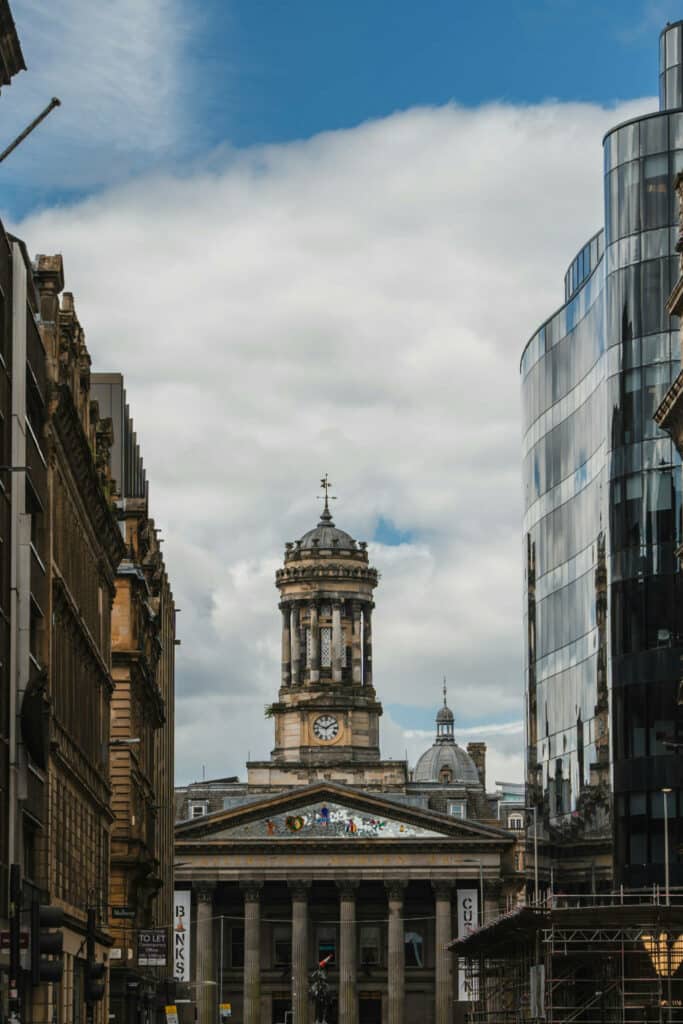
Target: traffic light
x=46, y=943
x=94, y=972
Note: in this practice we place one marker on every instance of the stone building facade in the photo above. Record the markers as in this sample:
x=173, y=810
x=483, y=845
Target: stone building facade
x=328, y=850
x=142, y=709
x=72, y=630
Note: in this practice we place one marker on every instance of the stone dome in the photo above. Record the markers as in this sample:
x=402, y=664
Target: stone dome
x=445, y=761
x=447, y=755
x=327, y=535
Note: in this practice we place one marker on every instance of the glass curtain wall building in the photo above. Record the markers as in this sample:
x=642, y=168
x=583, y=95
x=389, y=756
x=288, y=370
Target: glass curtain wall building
x=602, y=489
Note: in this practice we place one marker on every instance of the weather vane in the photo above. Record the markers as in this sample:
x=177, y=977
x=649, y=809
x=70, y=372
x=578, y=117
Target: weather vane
x=326, y=484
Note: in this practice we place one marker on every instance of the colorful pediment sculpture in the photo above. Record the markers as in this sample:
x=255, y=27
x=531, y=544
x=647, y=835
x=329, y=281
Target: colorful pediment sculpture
x=328, y=820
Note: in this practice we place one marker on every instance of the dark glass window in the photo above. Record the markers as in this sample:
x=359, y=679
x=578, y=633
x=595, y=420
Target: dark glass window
x=414, y=947
x=282, y=945
x=327, y=943
x=370, y=945
x=655, y=209
x=237, y=947
x=653, y=136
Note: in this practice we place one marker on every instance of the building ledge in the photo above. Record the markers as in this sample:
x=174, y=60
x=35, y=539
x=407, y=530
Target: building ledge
x=671, y=407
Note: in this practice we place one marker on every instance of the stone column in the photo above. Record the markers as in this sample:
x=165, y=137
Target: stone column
x=348, y=991
x=286, y=646
x=300, y=1001
x=315, y=644
x=367, y=645
x=356, y=655
x=294, y=641
x=396, y=953
x=252, y=952
x=443, y=982
x=337, y=640
x=205, y=970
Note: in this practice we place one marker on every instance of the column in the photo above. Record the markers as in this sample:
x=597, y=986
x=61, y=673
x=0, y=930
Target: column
x=286, y=646
x=252, y=958
x=442, y=958
x=315, y=643
x=396, y=953
x=294, y=641
x=300, y=1001
x=367, y=645
x=205, y=970
x=337, y=640
x=356, y=655
x=348, y=993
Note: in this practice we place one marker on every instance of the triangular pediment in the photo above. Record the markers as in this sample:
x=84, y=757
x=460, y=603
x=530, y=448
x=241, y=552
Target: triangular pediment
x=330, y=812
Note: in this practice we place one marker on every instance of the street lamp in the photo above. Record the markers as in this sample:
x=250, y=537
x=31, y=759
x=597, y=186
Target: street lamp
x=475, y=860
x=535, y=813
x=665, y=793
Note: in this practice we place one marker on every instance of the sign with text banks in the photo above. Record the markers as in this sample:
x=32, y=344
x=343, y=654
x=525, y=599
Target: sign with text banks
x=181, y=934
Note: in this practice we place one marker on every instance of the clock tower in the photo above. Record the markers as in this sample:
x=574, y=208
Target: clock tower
x=327, y=713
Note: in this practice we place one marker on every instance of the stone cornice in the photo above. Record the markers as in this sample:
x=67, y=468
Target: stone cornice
x=77, y=452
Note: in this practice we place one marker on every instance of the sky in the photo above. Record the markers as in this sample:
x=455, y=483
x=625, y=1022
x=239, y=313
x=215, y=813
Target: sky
x=315, y=238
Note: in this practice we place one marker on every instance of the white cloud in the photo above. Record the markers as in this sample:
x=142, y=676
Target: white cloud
x=357, y=303
x=114, y=66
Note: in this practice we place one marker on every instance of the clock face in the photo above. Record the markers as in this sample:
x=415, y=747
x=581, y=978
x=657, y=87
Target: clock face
x=326, y=728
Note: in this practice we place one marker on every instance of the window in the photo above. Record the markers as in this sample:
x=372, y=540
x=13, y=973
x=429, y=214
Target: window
x=457, y=809
x=198, y=809
x=414, y=943
x=237, y=947
x=516, y=822
x=282, y=945
x=369, y=945
x=445, y=776
x=327, y=943
x=325, y=647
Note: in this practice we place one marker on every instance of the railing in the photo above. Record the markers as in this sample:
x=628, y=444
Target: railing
x=654, y=896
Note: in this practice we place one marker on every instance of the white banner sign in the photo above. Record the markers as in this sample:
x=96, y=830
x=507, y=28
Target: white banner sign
x=181, y=934
x=468, y=921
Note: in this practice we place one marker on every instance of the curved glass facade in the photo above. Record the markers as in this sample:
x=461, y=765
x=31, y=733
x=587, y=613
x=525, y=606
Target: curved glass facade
x=602, y=490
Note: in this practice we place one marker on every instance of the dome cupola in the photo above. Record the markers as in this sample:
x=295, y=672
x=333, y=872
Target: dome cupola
x=445, y=762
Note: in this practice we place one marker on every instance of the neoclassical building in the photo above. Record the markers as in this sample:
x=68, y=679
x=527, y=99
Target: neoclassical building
x=328, y=850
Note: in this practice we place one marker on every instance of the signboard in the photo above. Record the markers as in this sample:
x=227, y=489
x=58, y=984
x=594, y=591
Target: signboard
x=116, y=953
x=181, y=934
x=171, y=1014
x=122, y=913
x=468, y=918
x=152, y=947
x=225, y=1011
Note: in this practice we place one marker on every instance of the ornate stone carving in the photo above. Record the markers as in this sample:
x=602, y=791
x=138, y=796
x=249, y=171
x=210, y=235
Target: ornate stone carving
x=299, y=889
x=252, y=891
x=204, y=892
x=443, y=890
x=347, y=888
x=395, y=888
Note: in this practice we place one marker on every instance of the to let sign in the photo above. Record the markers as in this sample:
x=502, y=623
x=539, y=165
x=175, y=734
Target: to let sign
x=152, y=947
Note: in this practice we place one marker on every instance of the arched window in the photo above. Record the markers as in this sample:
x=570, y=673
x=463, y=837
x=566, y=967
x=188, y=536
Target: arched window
x=516, y=822
x=445, y=776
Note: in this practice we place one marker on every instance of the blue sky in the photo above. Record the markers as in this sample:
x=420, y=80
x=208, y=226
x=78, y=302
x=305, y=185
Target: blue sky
x=290, y=226
x=203, y=79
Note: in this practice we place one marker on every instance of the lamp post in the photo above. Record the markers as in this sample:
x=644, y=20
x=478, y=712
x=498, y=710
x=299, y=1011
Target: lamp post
x=665, y=793
x=475, y=860
x=534, y=809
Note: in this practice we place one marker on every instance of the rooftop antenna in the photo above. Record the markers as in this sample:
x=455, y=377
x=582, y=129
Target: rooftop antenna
x=203, y=773
x=325, y=483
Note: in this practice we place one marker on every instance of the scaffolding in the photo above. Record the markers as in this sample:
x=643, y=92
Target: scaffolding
x=612, y=958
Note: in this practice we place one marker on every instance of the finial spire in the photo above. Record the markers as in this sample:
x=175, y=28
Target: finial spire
x=326, y=516
x=445, y=692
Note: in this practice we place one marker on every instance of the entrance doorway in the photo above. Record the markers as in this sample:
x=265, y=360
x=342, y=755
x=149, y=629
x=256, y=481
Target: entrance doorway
x=282, y=1011
x=370, y=1009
